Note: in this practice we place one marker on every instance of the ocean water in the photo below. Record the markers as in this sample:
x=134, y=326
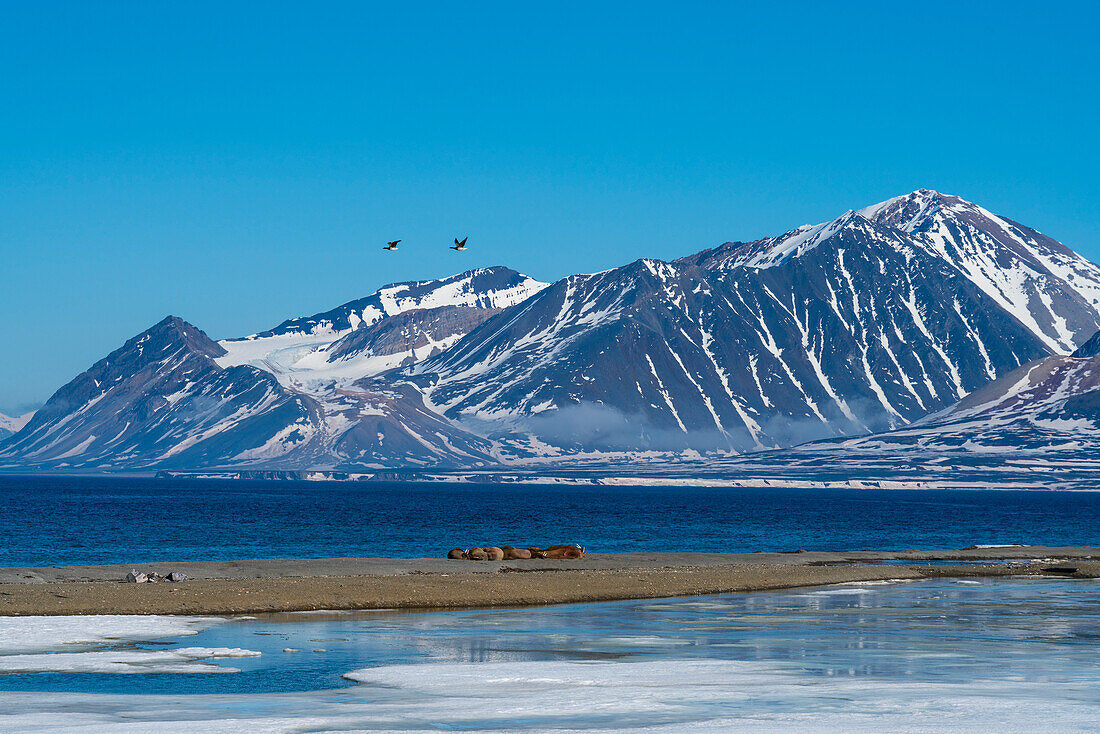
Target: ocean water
x=68, y=520
x=1014, y=655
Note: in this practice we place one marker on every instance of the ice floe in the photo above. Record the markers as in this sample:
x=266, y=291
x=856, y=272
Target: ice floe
x=55, y=633
x=135, y=660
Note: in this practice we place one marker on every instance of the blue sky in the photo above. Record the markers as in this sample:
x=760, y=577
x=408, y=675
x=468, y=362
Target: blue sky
x=239, y=163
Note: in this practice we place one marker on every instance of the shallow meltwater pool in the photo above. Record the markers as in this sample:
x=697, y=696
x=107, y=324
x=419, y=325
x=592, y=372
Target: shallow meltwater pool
x=941, y=562
x=943, y=655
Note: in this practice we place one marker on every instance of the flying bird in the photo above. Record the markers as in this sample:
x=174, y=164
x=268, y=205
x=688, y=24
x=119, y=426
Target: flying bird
x=460, y=246
x=391, y=245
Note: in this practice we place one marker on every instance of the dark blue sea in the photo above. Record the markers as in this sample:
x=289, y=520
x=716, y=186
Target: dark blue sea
x=49, y=520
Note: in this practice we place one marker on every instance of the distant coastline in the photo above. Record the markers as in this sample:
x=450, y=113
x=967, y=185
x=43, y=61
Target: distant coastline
x=1075, y=479
x=608, y=479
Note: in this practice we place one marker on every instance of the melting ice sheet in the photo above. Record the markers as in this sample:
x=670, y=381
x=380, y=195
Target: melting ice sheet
x=934, y=656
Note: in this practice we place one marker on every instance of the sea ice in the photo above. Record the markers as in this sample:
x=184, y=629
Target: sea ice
x=136, y=660
x=40, y=634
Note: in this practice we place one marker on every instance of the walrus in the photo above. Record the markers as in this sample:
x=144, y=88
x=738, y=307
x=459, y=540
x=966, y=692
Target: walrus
x=512, y=553
x=494, y=553
x=456, y=553
x=558, y=551
x=477, y=554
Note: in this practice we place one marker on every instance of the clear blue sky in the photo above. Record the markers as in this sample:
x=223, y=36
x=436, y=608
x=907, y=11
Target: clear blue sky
x=239, y=163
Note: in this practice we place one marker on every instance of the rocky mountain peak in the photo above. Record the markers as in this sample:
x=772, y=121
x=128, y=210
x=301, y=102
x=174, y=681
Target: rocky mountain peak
x=907, y=212
x=173, y=332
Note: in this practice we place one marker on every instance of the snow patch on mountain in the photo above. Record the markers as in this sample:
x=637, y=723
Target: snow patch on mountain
x=10, y=425
x=495, y=288
x=309, y=354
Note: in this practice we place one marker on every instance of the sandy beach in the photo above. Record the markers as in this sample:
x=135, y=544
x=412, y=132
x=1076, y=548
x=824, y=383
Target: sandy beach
x=281, y=585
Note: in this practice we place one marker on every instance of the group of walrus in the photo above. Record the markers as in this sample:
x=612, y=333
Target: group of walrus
x=510, y=553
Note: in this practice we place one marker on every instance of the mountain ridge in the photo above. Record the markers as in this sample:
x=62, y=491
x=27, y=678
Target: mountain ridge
x=493, y=287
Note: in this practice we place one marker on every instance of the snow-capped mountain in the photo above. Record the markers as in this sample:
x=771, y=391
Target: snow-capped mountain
x=1042, y=283
x=1045, y=285
x=161, y=400
x=843, y=328
x=887, y=315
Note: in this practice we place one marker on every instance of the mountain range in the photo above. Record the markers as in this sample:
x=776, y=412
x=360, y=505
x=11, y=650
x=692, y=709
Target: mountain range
x=923, y=320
